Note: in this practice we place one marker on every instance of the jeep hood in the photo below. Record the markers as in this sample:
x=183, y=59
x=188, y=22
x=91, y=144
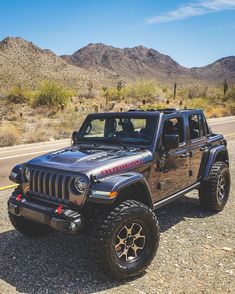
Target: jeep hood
x=89, y=161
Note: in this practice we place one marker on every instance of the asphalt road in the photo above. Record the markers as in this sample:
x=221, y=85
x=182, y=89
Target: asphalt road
x=10, y=156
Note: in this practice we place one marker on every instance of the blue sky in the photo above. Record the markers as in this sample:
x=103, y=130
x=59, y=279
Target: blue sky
x=194, y=33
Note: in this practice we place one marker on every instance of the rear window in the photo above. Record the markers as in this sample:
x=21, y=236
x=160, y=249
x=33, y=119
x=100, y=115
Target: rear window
x=174, y=126
x=196, y=126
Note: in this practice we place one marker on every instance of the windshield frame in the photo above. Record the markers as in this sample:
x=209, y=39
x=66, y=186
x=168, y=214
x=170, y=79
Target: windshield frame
x=134, y=115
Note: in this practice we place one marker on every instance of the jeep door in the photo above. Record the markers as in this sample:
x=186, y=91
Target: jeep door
x=173, y=164
x=198, y=143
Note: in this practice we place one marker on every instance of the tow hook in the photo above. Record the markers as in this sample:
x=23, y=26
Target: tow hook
x=19, y=197
x=59, y=209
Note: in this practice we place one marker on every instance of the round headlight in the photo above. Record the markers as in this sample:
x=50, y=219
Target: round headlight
x=80, y=184
x=27, y=174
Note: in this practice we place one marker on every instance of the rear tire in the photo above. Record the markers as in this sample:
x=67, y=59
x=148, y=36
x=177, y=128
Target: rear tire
x=214, y=193
x=125, y=241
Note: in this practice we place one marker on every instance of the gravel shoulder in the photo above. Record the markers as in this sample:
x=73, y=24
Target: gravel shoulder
x=196, y=255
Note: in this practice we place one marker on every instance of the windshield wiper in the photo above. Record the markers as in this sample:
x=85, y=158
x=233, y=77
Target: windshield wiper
x=90, y=140
x=121, y=143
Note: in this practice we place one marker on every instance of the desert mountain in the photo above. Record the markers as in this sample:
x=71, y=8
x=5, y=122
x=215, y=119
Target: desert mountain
x=133, y=63
x=23, y=62
x=219, y=70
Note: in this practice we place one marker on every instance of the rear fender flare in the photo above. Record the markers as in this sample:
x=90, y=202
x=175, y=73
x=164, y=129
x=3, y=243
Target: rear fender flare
x=215, y=153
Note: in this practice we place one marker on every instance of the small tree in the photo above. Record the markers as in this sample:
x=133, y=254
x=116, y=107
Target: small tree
x=52, y=94
x=18, y=95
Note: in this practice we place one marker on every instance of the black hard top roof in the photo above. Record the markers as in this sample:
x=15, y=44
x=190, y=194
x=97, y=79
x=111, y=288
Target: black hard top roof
x=142, y=113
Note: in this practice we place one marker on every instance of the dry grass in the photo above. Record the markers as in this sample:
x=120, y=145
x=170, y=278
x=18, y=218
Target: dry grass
x=48, y=123
x=9, y=135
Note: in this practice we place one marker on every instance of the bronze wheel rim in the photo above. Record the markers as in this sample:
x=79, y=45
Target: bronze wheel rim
x=130, y=242
x=221, y=187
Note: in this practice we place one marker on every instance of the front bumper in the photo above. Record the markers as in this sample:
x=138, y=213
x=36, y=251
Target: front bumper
x=54, y=216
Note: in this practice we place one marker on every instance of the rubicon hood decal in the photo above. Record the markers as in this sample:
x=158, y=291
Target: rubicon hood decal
x=88, y=161
x=122, y=167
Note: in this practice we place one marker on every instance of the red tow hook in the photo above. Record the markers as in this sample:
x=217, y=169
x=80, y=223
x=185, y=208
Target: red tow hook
x=18, y=197
x=59, y=209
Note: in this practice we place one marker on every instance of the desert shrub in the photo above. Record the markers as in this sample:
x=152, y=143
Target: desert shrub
x=68, y=122
x=199, y=103
x=140, y=90
x=38, y=136
x=153, y=106
x=52, y=94
x=136, y=91
x=9, y=135
x=231, y=95
x=18, y=94
x=197, y=92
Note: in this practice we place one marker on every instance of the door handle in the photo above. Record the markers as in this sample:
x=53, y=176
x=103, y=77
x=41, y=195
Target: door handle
x=185, y=155
x=203, y=148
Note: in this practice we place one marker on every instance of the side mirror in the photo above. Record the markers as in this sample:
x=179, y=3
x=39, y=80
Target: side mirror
x=171, y=141
x=74, y=136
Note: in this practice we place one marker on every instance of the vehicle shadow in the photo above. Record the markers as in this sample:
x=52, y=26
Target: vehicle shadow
x=61, y=263
x=179, y=210
x=55, y=264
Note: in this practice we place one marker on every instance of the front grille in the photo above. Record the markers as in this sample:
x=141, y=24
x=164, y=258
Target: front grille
x=49, y=185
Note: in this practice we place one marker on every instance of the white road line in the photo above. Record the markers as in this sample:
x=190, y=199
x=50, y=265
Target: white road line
x=33, y=147
x=221, y=122
x=27, y=154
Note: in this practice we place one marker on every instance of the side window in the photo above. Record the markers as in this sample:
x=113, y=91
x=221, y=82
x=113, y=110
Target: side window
x=95, y=128
x=196, y=126
x=174, y=126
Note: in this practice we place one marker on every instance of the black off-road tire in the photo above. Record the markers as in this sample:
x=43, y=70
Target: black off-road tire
x=27, y=227
x=133, y=215
x=209, y=192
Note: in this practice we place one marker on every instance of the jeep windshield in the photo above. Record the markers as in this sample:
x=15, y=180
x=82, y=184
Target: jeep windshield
x=119, y=129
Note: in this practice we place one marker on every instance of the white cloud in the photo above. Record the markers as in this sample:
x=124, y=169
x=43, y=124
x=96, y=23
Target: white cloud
x=193, y=9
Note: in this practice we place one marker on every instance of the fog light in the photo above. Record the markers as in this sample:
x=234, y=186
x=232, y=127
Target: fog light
x=72, y=226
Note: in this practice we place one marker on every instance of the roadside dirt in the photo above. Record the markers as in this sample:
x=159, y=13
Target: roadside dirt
x=196, y=255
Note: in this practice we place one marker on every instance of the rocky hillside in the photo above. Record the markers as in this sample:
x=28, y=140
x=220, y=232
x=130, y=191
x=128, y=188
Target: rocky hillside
x=218, y=70
x=23, y=62
x=133, y=63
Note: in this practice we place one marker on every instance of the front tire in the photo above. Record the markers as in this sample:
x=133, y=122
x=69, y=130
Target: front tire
x=125, y=241
x=213, y=194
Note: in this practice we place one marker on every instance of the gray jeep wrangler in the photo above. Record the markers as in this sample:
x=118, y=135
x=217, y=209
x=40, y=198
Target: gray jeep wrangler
x=119, y=168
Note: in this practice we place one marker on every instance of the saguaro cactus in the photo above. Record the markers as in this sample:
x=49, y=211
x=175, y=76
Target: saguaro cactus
x=225, y=84
x=175, y=89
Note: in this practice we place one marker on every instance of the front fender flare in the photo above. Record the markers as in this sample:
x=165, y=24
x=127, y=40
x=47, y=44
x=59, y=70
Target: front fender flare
x=102, y=191
x=15, y=175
